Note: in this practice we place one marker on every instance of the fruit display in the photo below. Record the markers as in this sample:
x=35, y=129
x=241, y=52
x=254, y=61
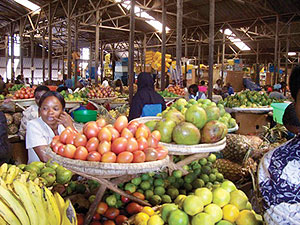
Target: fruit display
x=154, y=58
x=118, y=111
x=121, y=95
x=13, y=121
x=100, y=92
x=223, y=205
x=2, y=97
x=177, y=90
x=77, y=96
x=23, y=201
x=16, y=87
x=249, y=99
x=166, y=93
x=24, y=93
x=193, y=122
x=126, y=89
x=122, y=142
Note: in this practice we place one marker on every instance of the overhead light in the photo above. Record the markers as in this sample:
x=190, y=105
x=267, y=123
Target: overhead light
x=28, y=4
x=292, y=53
x=238, y=42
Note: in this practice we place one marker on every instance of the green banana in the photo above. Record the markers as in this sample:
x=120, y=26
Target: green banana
x=69, y=214
x=51, y=207
x=15, y=205
x=9, y=216
x=22, y=190
x=37, y=199
x=3, y=169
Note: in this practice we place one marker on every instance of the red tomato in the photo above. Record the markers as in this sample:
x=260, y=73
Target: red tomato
x=91, y=130
x=23, y=92
x=119, y=145
x=64, y=135
x=17, y=95
x=161, y=153
x=142, y=143
x=104, y=134
x=121, y=123
x=31, y=95
x=69, y=151
x=96, y=216
x=109, y=157
x=70, y=138
x=126, y=133
x=111, y=213
x=139, y=195
x=101, y=123
x=152, y=142
x=81, y=153
x=125, y=157
x=56, y=147
x=101, y=208
x=133, y=208
x=80, y=219
x=80, y=140
x=94, y=156
x=114, y=133
x=141, y=132
x=109, y=222
x=54, y=141
x=125, y=199
x=142, y=125
x=120, y=219
x=26, y=96
x=132, y=144
x=92, y=144
x=61, y=150
x=138, y=157
x=151, y=154
x=103, y=147
x=132, y=126
x=156, y=134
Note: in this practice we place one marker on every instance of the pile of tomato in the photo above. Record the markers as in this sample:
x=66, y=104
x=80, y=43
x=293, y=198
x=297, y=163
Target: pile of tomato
x=24, y=93
x=122, y=142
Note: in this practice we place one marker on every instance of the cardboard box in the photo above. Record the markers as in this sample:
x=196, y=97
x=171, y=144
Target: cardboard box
x=250, y=123
x=235, y=78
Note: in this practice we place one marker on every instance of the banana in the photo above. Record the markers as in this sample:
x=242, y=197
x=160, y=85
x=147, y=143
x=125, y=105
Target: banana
x=3, y=169
x=9, y=216
x=15, y=205
x=60, y=202
x=22, y=190
x=2, y=221
x=23, y=177
x=37, y=199
x=11, y=174
x=51, y=207
x=2, y=183
x=69, y=214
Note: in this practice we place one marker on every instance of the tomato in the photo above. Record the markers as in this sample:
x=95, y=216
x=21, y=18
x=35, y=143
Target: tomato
x=142, y=143
x=23, y=92
x=94, y=156
x=17, y=95
x=152, y=142
x=109, y=222
x=103, y=147
x=64, y=135
x=101, y=123
x=133, y=208
x=121, y=123
x=56, y=147
x=125, y=199
x=81, y=153
x=139, y=195
x=161, y=153
x=61, y=150
x=109, y=157
x=142, y=125
x=80, y=140
x=96, y=216
x=95, y=223
x=54, y=141
x=132, y=144
x=138, y=157
x=70, y=138
x=119, y=145
x=126, y=133
x=80, y=219
x=31, y=95
x=69, y=151
x=91, y=130
x=104, y=134
x=141, y=132
x=120, y=219
x=101, y=208
x=151, y=154
x=132, y=126
x=26, y=96
x=156, y=134
x=125, y=157
x=92, y=144
x=111, y=213
x=114, y=133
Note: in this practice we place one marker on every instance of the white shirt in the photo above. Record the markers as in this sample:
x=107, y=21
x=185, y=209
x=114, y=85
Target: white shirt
x=38, y=133
x=30, y=113
x=216, y=86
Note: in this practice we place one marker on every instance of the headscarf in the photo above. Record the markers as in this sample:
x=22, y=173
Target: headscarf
x=144, y=95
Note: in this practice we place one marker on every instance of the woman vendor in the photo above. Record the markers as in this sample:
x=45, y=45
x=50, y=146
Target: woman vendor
x=279, y=170
x=52, y=122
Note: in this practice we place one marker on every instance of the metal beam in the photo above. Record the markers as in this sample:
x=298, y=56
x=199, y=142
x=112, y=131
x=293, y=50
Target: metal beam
x=179, y=37
x=211, y=46
x=163, y=47
x=69, y=48
x=131, y=50
x=32, y=57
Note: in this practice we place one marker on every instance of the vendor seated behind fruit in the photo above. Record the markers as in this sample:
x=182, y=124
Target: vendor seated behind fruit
x=276, y=93
x=52, y=121
x=32, y=112
x=194, y=93
x=279, y=172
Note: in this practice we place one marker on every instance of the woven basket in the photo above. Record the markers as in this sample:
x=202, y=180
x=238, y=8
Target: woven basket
x=102, y=100
x=147, y=118
x=24, y=102
x=107, y=170
x=175, y=149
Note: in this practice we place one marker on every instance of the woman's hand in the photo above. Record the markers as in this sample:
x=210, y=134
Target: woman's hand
x=66, y=120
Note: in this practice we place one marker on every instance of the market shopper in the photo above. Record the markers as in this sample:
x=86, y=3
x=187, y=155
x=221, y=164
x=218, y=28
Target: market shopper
x=279, y=172
x=32, y=112
x=202, y=87
x=145, y=95
x=194, y=93
x=276, y=93
x=52, y=122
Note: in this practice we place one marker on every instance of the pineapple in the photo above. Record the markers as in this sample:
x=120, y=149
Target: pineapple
x=231, y=171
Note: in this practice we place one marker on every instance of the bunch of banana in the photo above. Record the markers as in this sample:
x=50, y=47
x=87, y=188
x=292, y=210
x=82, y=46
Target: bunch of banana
x=23, y=201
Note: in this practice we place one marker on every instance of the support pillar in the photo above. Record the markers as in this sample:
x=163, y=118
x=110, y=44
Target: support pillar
x=223, y=54
x=21, y=46
x=163, y=47
x=286, y=56
x=185, y=52
x=131, y=50
x=275, y=51
x=43, y=56
x=32, y=56
x=6, y=57
x=76, y=50
x=69, y=48
x=12, y=55
x=144, y=46
x=257, y=65
x=50, y=42
x=63, y=61
x=91, y=60
x=179, y=38
x=97, y=38
x=198, y=61
x=211, y=46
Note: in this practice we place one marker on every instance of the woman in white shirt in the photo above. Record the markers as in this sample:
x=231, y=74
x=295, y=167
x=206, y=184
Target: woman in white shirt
x=52, y=122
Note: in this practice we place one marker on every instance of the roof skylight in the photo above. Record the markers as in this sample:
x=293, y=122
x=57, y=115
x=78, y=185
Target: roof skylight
x=238, y=42
x=28, y=4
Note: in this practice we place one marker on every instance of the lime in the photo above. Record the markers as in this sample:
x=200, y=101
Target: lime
x=212, y=177
x=239, y=199
x=203, y=161
x=148, y=194
x=196, y=166
x=198, y=183
x=193, y=205
x=159, y=182
x=130, y=187
x=188, y=187
x=197, y=171
x=221, y=197
x=228, y=186
x=212, y=158
x=230, y=213
x=145, y=176
x=145, y=185
x=171, y=179
x=182, y=192
x=203, y=219
x=205, y=195
x=206, y=169
x=166, y=199
x=173, y=192
x=111, y=200
x=186, y=167
x=220, y=177
x=214, y=170
x=140, y=190
x=166, y=211
x=215, y=211
x=159, y=190
x=178, y=217
x=151, y=174
x=189, y=178
x=180, y=181
x=136, y=181
x=177, y=174
x=205, y=177
x=155, y=200
x=224, y=222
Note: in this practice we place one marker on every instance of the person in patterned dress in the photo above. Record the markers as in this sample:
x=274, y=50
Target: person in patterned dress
x=279, y=171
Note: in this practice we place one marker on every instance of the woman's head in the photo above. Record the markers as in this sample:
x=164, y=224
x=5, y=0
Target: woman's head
x=294, y=82
x=51, y=105
x=145, y=80
x=193, y=89
x=39, y=91
x=202, y=82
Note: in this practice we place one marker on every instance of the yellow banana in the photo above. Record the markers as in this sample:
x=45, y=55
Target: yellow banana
x=60, y=202
x=23, y=177
x=11, y=174
x=37, y=199
x=69, y=214
x=8, y=215
x=51, y=207
x=2, y=221
x=10, y=199
x=22, y=190
x=2, y=183
x=3, y=169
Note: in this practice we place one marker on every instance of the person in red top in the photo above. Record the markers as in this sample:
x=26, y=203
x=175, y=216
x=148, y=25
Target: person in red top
x=202, y=87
